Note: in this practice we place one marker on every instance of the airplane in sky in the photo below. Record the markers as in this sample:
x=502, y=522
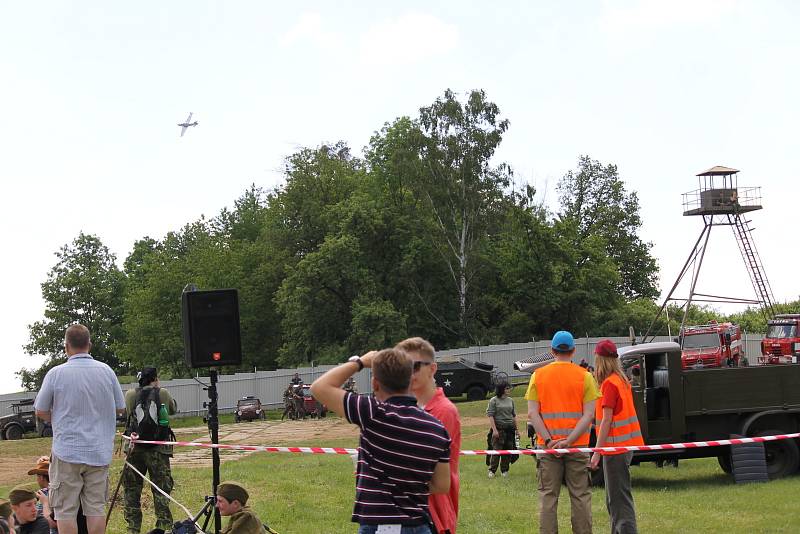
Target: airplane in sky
x=185, y=124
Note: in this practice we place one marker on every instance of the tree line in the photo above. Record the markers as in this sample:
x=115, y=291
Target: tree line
x=425, y=234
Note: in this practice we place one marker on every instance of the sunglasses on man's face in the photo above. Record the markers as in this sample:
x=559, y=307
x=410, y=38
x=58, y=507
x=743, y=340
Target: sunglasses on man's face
x=419, y=363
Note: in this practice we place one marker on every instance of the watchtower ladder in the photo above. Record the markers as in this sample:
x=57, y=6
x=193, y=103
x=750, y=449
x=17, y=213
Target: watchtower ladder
x=741, y=230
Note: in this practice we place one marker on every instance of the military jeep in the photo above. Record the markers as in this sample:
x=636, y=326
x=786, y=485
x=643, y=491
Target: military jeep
x=22, y=421
x=458, y=375
x=249, y=408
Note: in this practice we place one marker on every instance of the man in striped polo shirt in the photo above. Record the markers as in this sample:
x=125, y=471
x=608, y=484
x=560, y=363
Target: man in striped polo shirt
x=403, y=453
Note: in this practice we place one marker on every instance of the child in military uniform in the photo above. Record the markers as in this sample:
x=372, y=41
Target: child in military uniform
x=232, y=503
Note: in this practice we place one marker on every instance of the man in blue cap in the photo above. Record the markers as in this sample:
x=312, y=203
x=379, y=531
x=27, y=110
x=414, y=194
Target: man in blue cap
x=561, y=398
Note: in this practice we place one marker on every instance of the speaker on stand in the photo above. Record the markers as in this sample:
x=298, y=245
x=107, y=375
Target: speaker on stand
x=211, y=338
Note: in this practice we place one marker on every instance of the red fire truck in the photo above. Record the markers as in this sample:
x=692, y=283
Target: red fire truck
x=782, y=342
x=712, y=345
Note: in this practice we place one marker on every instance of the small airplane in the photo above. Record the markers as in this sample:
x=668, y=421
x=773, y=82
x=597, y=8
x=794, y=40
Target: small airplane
x=185, y=124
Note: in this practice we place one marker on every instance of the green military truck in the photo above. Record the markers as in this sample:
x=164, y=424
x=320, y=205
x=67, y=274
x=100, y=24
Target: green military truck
x=680, y=405
x=22, y=421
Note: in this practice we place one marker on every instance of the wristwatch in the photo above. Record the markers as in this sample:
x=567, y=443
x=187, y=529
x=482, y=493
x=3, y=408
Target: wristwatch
x=356, y=359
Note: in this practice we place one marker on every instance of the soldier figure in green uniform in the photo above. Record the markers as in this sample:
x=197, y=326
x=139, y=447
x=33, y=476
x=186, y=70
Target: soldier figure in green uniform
x=232, y=503
x=148, y=407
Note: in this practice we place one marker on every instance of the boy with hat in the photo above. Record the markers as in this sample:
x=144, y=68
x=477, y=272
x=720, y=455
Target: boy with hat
x=6, y=517
x=561, y=398
x=42, y=472
x=23, y=504
x=232, y=503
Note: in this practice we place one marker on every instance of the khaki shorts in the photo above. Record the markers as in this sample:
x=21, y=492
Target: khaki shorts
x=77, y=485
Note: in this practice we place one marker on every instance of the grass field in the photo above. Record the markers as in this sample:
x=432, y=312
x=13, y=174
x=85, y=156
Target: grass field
x=312, y=494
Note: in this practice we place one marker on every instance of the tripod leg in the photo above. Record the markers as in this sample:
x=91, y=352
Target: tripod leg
x=119, y=482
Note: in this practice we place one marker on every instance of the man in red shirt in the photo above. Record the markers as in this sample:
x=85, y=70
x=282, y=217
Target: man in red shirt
x=443, y=507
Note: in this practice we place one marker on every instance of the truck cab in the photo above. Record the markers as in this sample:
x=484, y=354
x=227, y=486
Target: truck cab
x=782, y=342
x=676, y=405
x=712, y=345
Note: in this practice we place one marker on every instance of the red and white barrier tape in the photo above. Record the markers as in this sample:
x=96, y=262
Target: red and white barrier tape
x=342, y=450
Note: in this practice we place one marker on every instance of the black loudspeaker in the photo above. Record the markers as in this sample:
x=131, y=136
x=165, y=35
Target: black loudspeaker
x=211, y=328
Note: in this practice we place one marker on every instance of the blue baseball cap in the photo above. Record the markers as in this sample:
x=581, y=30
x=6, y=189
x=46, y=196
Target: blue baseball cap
x=562, y=341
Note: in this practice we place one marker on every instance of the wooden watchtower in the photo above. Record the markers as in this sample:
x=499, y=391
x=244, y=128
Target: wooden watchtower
x=720, y=201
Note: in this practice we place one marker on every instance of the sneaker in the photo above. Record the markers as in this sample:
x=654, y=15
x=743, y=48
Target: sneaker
x=491, y=474
x=504, y=473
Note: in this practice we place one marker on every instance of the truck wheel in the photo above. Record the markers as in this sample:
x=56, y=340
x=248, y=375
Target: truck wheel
x=724, y=461
x=14, y=432
x=476, y=393
x=783, y=456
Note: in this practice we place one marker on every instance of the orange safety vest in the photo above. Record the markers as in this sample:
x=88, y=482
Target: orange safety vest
x=559, y=387
x=625, y=428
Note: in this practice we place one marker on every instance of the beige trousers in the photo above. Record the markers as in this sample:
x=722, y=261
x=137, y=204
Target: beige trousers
x=573, y=469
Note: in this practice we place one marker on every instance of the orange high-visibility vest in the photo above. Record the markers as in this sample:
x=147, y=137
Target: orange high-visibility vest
x=559, y=387
x=625, y=428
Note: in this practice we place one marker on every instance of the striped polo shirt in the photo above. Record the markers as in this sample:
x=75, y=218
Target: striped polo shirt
x=399, y=448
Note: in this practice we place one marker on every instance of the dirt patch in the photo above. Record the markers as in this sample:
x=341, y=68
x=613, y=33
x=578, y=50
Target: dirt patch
x=269, y=433
x=316, y=432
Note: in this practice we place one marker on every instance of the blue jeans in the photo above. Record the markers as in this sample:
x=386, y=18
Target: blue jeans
x=418, y=529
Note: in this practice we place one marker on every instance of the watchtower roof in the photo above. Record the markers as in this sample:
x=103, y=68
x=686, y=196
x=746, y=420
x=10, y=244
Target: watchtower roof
x=718, y=170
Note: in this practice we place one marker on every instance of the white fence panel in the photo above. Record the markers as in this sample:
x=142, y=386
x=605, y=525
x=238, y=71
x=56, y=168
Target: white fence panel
x=270, y=385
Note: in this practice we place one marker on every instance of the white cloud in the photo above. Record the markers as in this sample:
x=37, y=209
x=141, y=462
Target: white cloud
x=647, y=15
x=309, y=29
x=407, y=39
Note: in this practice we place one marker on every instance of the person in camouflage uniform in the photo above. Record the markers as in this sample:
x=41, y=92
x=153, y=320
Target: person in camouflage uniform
x=152, y=460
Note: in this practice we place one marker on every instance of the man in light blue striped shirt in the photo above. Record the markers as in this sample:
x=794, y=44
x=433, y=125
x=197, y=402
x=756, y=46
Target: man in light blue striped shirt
x=82, y=398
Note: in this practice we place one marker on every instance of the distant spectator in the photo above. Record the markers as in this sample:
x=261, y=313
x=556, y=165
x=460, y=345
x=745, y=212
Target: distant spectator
x=503, y=422
x=350, y=385
x=404, y=452
x=23, y=504
x=584, y=363
x=82, y=398
x=296, y=380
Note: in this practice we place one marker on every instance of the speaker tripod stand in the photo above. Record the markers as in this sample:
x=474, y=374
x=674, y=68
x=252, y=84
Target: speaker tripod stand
x=209, y=508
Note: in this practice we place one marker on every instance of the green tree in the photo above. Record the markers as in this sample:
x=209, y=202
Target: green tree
x=594, y=198
x=444, y=159
x=85, y=286
x=157, y=273
x=524, y=293
x=228, y=251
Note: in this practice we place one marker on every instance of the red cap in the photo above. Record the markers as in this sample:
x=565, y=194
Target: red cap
x=606, y=347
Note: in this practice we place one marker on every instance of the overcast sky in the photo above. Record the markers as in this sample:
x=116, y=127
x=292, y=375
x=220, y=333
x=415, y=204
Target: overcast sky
x=91, y=93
